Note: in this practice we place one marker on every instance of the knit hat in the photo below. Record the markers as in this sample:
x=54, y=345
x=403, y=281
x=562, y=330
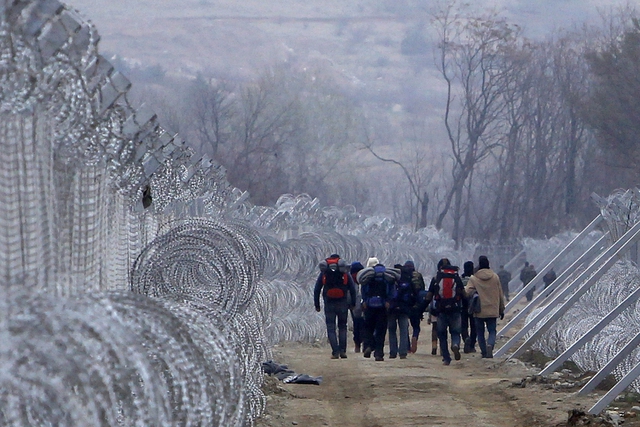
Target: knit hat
x=468, y=268
x=372, y=262
x=483, y=262
x=356, y=266
x=409, y=264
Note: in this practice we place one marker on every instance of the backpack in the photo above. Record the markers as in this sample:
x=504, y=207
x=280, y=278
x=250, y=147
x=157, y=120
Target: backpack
x=403, y=295
x=377, y=287
x=334, y=278
x=403, y=292
x=446, y=299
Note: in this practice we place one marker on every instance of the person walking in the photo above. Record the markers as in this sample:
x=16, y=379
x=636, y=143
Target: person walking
x=527, y=274
x=338, y=291
x=468, y=331
x=445, y=294
x=505, y=278
x=376, y=283
x=549, y=278
x=486, y=284
x=416, y=313
x=356, y=312
x=402, y=301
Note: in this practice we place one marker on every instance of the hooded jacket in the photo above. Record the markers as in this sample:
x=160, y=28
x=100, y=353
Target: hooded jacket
x=487, y=284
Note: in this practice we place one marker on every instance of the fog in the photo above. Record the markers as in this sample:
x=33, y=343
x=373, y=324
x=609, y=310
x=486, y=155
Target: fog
x=378, y=63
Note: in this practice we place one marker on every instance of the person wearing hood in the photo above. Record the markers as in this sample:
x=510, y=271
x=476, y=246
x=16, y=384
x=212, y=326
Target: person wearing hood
x=486, y=284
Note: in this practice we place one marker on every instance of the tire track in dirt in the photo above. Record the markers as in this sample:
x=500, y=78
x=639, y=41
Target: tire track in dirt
x=420, y=391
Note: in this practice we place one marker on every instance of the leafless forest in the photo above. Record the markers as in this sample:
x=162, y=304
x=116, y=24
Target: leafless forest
x=439, y=115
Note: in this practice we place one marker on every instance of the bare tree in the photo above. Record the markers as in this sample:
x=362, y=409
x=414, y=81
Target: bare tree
x=212, y=107
x=471, y=59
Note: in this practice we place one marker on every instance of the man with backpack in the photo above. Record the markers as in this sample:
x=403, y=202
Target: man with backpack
x=468, y=324
x=416, y=313
x=338, y=293
x=486, y=285
x=356, y=312
x=403, y=299
x=445, y=296
x=377, y=284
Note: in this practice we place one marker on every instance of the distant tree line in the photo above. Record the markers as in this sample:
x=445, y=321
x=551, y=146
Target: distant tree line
x=532, y=128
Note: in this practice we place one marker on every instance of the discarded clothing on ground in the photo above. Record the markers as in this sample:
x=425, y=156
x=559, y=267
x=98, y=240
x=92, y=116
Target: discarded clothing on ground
x=288, y=376
x=302, y=379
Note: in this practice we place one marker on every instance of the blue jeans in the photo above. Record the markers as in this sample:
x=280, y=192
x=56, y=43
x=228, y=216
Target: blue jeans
x=448, y=322
x=491, y=328
x=337, y=310
x=398, y=320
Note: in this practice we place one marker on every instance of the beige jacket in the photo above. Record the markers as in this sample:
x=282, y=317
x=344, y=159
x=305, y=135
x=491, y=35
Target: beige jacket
x=487, y=284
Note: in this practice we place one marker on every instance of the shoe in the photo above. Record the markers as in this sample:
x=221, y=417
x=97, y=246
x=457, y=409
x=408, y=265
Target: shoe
x=403, y=356
x=489, y=352
x=434, y=351
x=367, y=352
x=379, y=359
x=456, y=352
x=467, y=346
x=446, y=362
x=334, y=356
x=414, y=344
x=472, y=350
x=357, y=349
x=393, y=356
x=343, y=355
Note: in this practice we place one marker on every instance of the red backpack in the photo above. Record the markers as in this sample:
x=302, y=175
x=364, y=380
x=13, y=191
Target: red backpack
x=334, y=279
x=447, y=285
x=446, y=298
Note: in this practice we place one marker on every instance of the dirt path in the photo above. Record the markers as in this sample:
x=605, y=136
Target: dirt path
x=418, y=391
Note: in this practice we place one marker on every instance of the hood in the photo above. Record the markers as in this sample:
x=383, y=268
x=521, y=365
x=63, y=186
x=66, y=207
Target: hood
x=484, y=274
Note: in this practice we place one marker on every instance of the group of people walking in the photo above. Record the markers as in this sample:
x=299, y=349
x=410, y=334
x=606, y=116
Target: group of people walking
x=394, y=299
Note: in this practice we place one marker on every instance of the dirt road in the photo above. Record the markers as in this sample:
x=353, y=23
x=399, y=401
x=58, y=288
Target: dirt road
x=417, y=391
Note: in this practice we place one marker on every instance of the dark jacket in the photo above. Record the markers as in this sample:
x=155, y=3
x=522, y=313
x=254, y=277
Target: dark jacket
x=527, y=274
x=549, y=277
x=450, y=272
x=505, y=277
x=350, y=291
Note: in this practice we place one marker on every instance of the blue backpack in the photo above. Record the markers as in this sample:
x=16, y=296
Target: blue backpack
x=377, y=287
x=403, y=295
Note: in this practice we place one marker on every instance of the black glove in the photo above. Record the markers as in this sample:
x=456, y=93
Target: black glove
x=317, y=308
x=501, y=316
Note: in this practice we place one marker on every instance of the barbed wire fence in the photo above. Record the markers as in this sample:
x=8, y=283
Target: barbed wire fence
x=139, y=287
